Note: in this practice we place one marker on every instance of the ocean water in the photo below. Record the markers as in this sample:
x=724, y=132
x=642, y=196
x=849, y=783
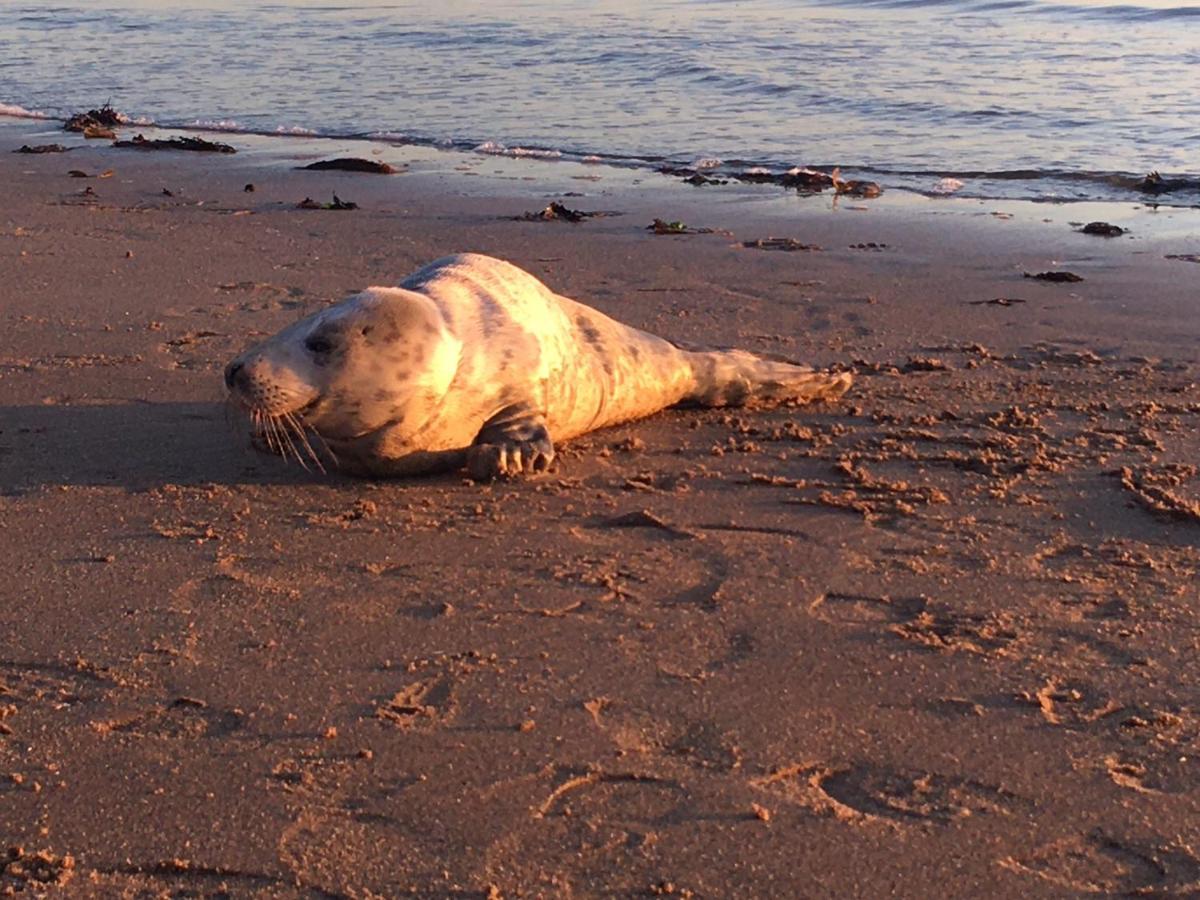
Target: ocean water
x=1074, y=99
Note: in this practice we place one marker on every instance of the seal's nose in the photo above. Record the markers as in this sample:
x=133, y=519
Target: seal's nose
x=231, y=373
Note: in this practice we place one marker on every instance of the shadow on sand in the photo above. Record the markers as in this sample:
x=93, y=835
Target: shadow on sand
x=136, y=446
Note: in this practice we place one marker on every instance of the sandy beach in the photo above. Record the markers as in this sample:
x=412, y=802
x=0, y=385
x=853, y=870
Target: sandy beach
x=938, y=636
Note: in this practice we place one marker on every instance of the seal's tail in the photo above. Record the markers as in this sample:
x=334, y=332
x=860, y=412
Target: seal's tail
x=740, y=378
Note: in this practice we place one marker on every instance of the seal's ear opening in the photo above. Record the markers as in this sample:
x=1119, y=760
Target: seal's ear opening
x=318, y=344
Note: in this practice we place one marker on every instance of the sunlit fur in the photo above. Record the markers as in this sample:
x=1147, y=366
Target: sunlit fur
x=401, y=380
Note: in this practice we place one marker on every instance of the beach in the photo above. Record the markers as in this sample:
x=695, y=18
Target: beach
x=938, y=635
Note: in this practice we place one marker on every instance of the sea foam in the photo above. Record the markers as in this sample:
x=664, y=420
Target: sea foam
x=493, y=148
x=215, y=125
x=20, y=112
x=946, y=186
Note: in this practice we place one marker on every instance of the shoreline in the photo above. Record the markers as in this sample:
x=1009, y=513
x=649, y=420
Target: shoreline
x=940, y=632
x=740, y=173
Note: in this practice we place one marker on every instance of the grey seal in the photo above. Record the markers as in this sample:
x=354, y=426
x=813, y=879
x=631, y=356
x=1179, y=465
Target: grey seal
x=474, y=362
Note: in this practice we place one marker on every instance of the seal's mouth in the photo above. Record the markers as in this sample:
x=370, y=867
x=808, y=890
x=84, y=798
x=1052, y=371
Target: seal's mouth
x=255, y=407
x=286, y=434
x=305, y=409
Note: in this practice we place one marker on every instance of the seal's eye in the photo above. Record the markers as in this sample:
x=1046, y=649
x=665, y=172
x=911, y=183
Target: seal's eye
x=318, y=344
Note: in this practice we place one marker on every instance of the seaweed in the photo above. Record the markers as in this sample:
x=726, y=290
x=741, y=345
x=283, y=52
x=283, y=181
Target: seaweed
x=1102, y=229
x=337, y=204
x=758, y=177
x=1061, y=277
x=862, y=189
x=41, y=148
x=778, y=243
x=998, y=301
x=351, y=164
x=661, y=226
x=140, y=142
x=925, y=364
x=799, y=178
x=1156, y=184
x=556, y=212
x=104, y=117
x=806, y=180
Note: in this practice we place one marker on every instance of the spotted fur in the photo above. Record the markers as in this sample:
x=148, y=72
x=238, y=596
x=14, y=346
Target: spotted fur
x=403, y=379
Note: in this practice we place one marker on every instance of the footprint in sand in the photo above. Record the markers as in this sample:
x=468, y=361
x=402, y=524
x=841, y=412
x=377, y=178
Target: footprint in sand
x=985, y=635
x=701, y=742
x=1099, y=864
x=857, y=609
x=1152, y=752
x=421, y=705
x=184, y=717
x=36, y=871
x=867, y=793
x=266, y=296
x=1153, y=770
x=919, y=620
x=1071, y=703
x=28, y=684
x=612, y=796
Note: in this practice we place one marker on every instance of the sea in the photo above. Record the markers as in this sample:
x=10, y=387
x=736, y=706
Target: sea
x=1011, y=99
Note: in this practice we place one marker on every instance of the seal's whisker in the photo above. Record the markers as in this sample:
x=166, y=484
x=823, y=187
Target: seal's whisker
x=256, y=428
x=285, y=440
x=293, y=423
x=260, y=430
x=324, y=445
x=272, y=436
x=285, y=431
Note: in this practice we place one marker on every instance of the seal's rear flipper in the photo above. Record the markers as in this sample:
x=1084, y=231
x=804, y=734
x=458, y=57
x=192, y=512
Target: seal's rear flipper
x=740, y=378
x=512, y=442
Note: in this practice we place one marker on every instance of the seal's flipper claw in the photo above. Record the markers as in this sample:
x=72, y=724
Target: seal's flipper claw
x=514, y=441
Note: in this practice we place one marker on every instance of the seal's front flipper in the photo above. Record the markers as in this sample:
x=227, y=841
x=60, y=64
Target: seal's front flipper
x=512, y=442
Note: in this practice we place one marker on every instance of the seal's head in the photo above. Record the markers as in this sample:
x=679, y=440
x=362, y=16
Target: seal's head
x=346, y=372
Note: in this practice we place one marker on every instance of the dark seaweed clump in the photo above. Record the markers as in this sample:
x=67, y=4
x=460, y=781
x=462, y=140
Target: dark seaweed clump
x=103, y=117
x=141, y=142
x=1102, y=229
x=352, y=164
x=1060, y=277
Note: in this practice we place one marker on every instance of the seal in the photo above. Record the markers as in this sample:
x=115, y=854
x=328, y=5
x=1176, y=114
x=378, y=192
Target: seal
x=474, y=362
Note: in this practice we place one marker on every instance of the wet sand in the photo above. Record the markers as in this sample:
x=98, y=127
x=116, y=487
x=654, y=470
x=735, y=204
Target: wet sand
x=941, y=635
